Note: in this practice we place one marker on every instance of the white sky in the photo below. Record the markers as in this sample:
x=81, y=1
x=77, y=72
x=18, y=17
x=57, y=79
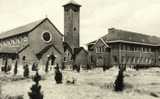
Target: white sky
x=96, y=15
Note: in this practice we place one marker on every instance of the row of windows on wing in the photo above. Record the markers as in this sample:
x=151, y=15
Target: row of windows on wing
x=133, y=48
x=14, y=41
x=133, y=60
x=101, y=49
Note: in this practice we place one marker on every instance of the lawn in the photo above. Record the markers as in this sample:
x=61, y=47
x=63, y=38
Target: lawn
x=93, y=84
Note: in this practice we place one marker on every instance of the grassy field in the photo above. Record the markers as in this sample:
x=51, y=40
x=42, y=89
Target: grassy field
x=94, y=84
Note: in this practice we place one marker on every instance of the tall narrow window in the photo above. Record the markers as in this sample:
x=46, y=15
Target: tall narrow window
x=24, y=58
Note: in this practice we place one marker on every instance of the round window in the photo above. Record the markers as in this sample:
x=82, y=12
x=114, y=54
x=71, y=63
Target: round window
x=46, y=36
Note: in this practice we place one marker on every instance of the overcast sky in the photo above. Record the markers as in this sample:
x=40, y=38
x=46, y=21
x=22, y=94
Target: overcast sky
x=96, y=15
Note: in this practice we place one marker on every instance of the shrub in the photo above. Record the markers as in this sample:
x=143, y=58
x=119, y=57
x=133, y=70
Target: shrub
x=63, y=66
x=119, y=83
x=26, y=71
x=104, y=68
x=47, y=64
x=74, y=67
x=58, y=75
x=78, y=68
x=88, y=67
x=15, y=68
x=36, y=88
x=5, y=66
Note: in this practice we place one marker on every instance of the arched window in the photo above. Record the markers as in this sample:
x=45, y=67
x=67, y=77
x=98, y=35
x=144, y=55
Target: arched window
x=25, y=38
x=24, y=58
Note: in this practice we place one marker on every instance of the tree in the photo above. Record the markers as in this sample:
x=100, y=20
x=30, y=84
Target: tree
x=119, y=83
x=58, y=75
x=47, y=64
x=63, y=66
x=6, y=66
x=15, y=68
x=88, y=67
x=104, y=68
x=36, y=88
x=26, y=71
x=78, y=68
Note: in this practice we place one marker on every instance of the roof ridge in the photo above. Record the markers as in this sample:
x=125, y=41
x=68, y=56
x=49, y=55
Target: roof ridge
x=23, y=25
x=72, y=2
x=139, y=33
x=119, y=34
x=21, y=29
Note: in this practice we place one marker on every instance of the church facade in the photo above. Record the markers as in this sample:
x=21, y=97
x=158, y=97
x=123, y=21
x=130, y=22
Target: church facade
x=35, y=42
x=40, y=42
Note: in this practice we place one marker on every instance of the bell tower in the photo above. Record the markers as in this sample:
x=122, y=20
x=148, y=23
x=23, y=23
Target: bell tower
x=71, y=24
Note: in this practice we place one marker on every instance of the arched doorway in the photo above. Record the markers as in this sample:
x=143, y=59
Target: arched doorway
x=51, y=61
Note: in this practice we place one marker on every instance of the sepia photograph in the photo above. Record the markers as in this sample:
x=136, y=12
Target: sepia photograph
x=79, y=49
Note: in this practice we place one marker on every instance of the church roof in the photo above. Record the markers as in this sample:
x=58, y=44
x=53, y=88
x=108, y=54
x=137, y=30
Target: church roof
x=72, y=2
x=117, y=35
x=19, y=30
x=22, y=29
x=77, y=51
x=41, y=52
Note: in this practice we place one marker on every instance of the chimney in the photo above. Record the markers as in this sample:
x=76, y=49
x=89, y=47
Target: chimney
x=111, y=30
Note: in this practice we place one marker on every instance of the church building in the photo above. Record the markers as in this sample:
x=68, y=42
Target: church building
x=39, y=41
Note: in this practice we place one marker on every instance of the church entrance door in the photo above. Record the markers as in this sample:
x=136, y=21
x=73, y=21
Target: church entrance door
x=51, y=60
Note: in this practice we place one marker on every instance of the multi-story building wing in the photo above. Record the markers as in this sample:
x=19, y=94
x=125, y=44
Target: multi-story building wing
x=126, y=48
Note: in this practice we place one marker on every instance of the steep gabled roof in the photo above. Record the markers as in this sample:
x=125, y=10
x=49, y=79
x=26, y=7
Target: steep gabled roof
x=77, y=51
x=72, y=2
x=40, y=53
x=101, y=39
x=23, y=29
x=122, y=35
